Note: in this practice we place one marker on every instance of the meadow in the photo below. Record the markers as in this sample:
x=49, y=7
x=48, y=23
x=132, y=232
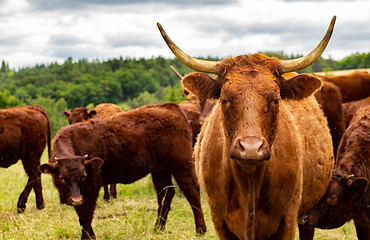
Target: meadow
x=131, y=216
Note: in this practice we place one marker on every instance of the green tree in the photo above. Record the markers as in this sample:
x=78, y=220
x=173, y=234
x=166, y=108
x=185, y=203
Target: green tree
x=7, y=100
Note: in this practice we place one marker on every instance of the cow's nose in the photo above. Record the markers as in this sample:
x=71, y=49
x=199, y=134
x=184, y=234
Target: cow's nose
x=77, y=201
x=255, y=148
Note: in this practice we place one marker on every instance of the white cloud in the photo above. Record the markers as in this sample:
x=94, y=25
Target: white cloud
x=40, y=31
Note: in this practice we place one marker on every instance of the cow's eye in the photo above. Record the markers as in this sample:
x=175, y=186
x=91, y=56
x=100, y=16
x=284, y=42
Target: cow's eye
x=62, y=179
x=332, y=199
x=223, y=101
x=276, y=101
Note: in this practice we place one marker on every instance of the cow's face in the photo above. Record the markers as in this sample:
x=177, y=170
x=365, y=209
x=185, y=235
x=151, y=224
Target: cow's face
x=249, y=88
x=78, y=115
x=336, y=207
x=70, y=175
x=249, y=93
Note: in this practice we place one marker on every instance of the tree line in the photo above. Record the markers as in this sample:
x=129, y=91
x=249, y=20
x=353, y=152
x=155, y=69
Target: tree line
x=127, y=82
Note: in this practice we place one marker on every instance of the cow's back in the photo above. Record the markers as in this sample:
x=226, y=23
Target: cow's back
x=318, y=159
x=23, y=130
x=106, y=109
x=131, y=143
x=350, y=108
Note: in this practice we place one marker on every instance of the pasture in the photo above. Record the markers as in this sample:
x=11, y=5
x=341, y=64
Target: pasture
x=131, y=216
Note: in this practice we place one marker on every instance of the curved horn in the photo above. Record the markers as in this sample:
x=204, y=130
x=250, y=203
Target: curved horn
x=303, y=62
x=193, y=63
x=176, y=72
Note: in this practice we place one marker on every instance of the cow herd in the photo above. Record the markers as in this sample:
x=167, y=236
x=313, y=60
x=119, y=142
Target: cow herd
x=271, y=149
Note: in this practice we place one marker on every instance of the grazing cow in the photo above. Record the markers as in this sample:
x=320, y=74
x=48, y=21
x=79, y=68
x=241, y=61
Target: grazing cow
x=122, y=149
x=264, y=154
x=347, y=196
x=353, y=86
x=350, y=108
x=102, y=110
x=330, y=100
x=24, y=132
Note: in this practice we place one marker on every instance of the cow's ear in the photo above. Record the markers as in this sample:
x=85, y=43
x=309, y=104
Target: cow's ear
x=358, y=186
x=202, y=86
x=50, y=168
x=300, y=86
x=95, y=163
x=92, y=113
x=67, y=114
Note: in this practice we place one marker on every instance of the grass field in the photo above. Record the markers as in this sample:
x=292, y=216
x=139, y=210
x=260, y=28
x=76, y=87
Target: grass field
x=131, y=216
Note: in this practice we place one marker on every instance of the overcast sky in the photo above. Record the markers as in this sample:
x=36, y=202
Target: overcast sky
x=45, y=31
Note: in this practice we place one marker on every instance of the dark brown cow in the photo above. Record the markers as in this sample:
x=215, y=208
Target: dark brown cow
x=122, y=149
x=264, y=155
x=24, y=132
x=350, y=108
x=102, y=110
x=330, y=100
x=354, y=86
x=347, y=196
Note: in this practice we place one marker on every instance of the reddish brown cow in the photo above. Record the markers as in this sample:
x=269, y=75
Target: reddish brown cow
x=195, y=110
x=330, y=100
x=122, y=149
x=354, y=86
x=264, y=155
x=102, y=110
x=347, y=196
x=350, y=108
x=82, y=114
x=24, y=132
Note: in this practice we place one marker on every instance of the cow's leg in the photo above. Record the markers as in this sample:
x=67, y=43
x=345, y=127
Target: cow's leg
x=221, y=228
x=189, y=185
x=113, y=190
x=165, y=192
x=85, y=214
x=306, y=232
x=34, y=181
x=362, y=230
x=106, y=193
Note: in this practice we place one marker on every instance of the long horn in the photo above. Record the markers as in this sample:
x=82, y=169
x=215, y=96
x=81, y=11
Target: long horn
x=303, y=62
x=193, y=63
x=176, y=72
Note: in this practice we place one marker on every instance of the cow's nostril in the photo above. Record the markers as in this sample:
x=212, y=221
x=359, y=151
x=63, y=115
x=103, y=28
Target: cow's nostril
x=250, y=148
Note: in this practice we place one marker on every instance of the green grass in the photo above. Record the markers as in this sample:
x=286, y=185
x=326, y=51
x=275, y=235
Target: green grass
x=131, y=216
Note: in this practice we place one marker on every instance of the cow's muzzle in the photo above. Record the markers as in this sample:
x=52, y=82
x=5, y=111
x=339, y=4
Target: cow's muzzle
x=76, y=201
x=250, y=148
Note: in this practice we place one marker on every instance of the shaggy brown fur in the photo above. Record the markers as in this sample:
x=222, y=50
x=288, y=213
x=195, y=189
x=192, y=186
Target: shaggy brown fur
x=258, y=193
x=348, y=197
x=350, y=108
x=330, y=100
x=24, y=132
x=353, y=86
x=150, y=139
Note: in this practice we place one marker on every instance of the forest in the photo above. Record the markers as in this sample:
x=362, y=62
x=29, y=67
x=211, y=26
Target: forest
x=127, y=82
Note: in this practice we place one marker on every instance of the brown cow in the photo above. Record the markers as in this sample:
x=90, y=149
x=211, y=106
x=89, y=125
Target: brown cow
x=350, y=108
x=195, y=110
x=24, y=132
x=122, y=149
x=101, y=110
x=82, y=114
x=264, y=155
x=354, y=86
x=330, y=100
x=347, y=196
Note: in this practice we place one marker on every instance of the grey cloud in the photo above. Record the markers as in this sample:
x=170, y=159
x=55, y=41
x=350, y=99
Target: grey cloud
x=73, y=4
x=133, y=39
x=64, y=40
